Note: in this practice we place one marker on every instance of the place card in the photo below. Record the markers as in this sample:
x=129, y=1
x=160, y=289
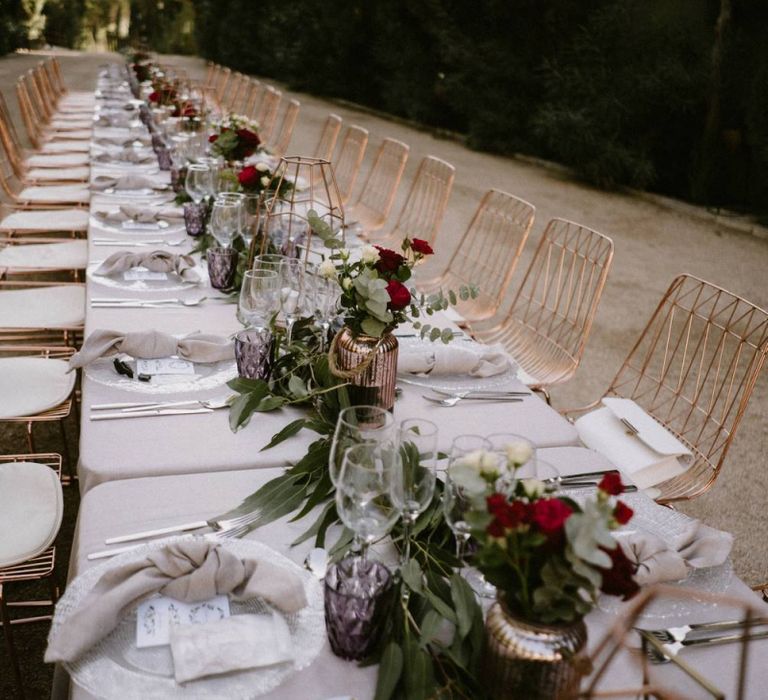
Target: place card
x=156, y=616
x=140, y=225
x=165, y=365
x=137, y=274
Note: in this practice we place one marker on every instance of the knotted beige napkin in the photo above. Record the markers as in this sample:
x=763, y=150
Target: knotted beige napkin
x=156, y=261
x=148, y=345
x=455, y=358
x=126, y=182
x=127, y=155
x=122, y=141
x=697, y=547
x=140, y=215
x=188, y=570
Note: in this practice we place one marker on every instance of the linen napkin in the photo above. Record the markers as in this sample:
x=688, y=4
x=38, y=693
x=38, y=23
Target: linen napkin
x=148, y=345
x=116, y=119
x=650, y=456
x=126, y=212
x=156, y=261
x=122, y=141
x=126, y=182
x=466, y=358
x=190, y=570
x=234, y=644
x=127, y=155
x=698, y=546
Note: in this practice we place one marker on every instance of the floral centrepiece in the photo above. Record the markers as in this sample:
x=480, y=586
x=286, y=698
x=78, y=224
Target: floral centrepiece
x=235, y=137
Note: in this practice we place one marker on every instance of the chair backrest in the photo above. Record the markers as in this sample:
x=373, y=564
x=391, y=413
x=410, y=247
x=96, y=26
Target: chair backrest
x=230, y=97
x=270, y=104
x=347, y=165
x=7, y=170
x=221, y=86
x=46, y=89
x=380, y=188
x=58, y=78
x=490, y=250
x=693, y=369
x=10, y=139
x=283, y=138
x=328, y=137
x=427, y=201
x=38, y=98
x=557, y=300
x=210, y=74
x=28, y=115
x=254, y=99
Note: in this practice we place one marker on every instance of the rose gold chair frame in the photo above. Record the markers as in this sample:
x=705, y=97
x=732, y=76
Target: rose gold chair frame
x=426, y=203
x=221, y=87
x=270, y=104
x=487, y=254
x=548, y=323
x=210, y=74
x=328, y=137
x=235, y=92
x=255, y=98
x=693, y=369
x=43, y=111
x=35, y=569
x=372, y=207
x=283, y=138
x=350, y=158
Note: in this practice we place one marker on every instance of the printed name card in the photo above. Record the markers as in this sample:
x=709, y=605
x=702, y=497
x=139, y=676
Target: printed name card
x=137, y=274
x=165, y=365
x=132, y=225
x=156, y=616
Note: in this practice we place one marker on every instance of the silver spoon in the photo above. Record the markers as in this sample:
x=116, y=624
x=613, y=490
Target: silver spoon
x=455, y=399
x=136, y=244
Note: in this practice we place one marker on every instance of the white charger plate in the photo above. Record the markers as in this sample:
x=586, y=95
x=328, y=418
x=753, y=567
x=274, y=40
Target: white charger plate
x=172, y=283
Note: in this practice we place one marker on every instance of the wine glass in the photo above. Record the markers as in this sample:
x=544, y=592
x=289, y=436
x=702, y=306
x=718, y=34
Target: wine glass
x=237, y=198
x=364, y=495
x=197, y=182
x=296, y=296
x=268, y=261
x=251, y=217
x=326, y=298
x=356, y=425
x=259, y=297
x=413, y=483
x=224, y=224
x=519, y=456
x=213, y=164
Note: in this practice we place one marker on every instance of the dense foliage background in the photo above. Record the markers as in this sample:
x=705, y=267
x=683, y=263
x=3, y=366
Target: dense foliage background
x=668, y=95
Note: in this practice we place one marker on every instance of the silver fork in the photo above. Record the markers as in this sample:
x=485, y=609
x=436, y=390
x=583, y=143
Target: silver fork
x=139, y=304
x=672, y=648
x=455, y=399
x=138, y=244
x=130, y=406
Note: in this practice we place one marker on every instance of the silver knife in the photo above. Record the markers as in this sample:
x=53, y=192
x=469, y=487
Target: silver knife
x=150, y=413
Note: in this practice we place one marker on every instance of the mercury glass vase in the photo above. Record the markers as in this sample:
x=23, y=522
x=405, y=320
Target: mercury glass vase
x=529, y=660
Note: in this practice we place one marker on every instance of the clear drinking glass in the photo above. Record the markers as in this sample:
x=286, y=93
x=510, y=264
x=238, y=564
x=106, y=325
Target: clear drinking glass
x=259, y=297
x=326, y=308
x=251, y=217
x=225, y=220
x=356, y=425
x=296, y=295
x=512, y=449
x=197, y=183
x=237, y=198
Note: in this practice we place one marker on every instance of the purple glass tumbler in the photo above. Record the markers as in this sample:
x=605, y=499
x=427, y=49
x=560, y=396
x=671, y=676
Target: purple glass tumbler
x=194, y=217
x=253, y=352
x=222, y=265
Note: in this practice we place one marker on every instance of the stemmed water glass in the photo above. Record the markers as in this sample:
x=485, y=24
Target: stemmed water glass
x=326, y=298
x=259, y=297
x=251, y=217
x=413, y=483
x=197, y=183
x=296, y=296
x=225, y=221
x=237, y=198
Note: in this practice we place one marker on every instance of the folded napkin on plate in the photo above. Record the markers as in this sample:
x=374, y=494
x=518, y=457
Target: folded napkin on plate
x=127, y=155
x=466, y=358
x=188, y=570
x=650, y=456
x=156, y=261
x=149, y=345
x=126, y=182
x=140, y=214
x=122, y=141
x=233, y=644
x=116, y=119
x=697, y=547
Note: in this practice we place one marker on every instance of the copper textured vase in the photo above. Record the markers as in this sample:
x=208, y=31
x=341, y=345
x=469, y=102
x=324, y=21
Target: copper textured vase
x=530, y=660
x=369, y=365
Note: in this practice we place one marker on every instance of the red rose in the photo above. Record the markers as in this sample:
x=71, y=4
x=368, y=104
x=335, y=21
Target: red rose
x=213, y=138
x=611, y=484
x=495, y=529
x=496, y=502
x=420, y=246
x=622, y=513
x=389, y=260
x=550, y=514
x=249, y=177
x=399, y=296
x=154, y=96
x=189, y=111
x=248, y=137
x=619, y=579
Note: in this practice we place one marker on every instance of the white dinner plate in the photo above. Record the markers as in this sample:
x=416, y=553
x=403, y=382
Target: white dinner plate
x=172, y=282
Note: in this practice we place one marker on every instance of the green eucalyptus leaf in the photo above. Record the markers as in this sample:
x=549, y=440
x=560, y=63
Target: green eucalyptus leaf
x=452, y=297
x=434, y=334
x=373, y=327
x=464, y=603
x=288, y=431
x=390, y=670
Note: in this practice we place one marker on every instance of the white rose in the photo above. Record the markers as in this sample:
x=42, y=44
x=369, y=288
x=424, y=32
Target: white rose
x=262, y=167
x=482, y=462
x=346, y=283
x=518, y=452
x=343, y=253
x=533, y=488
x=369, y=255
x=265, y=181
x=327, y=269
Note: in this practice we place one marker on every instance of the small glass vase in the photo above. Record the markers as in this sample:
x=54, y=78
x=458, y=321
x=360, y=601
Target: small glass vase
x=529, y=660
x=369, y=364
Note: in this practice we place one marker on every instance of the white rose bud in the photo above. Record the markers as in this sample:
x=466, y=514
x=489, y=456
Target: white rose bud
x=327, y=269
x=369, y=255
x=346, y=283
x=262, y=167
x=533, y=488
x=265, y=181
x=518, y=452
x=343, y=253
x=490, y=465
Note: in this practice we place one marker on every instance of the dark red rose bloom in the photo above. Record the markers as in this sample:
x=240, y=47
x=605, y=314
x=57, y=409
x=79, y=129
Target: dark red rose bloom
x=154, y=96
x=513, y=515
x=611, y=484
x=550, y=514
x=248, y=137
x=399, y=296
x=420, y=246
x=189, y=111
x=622, y=513
x=213, y=138
x=495, y=529
x=496, y=502
x=619, y=579
x=249, y=177
x=389, y=260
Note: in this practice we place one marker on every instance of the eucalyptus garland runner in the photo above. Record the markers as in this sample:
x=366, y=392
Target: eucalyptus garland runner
x=432, y=643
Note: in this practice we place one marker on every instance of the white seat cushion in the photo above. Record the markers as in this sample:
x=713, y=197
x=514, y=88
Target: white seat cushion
x=31, y=508
x=43, y=307
x=71, y=115
x=75, y=135
x=71, y=194
x=57, y=161
x=71, y=124
x=31, y=385
x=72, y=255
x=66, y=147
x=59, y=220
x=80, y=173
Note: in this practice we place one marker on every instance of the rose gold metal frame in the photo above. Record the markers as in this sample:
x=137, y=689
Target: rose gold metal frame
x=693, y=369
x=255, y=98
x=426, y=203
x=328, y=137
x=547, y=326
x=283, y=139
x=373, y=204
x=221, y=87
x=234, y=94
x=270, y=104
x=350, y=158
x=488, y=254
x=38, y=568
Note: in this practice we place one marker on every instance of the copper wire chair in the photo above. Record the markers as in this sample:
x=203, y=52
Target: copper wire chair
x=270, y=104
x=254, y=99
x=328, y=137
x=426, y=203
x=239, y=83
x=693, y=369
x=222, y=85
x=283, y=138
x=372, y=207
x=488, y=252
x=347, y=165
x=547, y=326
